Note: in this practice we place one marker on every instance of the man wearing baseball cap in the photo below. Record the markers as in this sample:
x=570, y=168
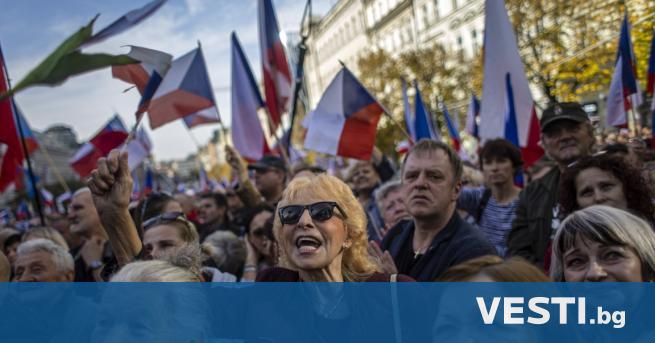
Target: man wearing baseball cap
x=566, y=136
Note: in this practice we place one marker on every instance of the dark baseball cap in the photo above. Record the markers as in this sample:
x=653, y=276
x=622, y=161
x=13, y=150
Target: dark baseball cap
x=268, y=162
x=563, y=111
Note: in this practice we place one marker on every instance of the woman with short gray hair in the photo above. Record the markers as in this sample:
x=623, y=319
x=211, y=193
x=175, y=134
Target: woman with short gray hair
x=603, y=244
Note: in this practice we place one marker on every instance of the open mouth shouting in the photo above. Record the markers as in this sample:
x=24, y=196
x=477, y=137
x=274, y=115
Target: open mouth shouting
x=307, y=245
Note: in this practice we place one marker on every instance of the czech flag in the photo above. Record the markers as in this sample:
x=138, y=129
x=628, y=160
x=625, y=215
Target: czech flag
x=12, y=152
x=452, y=129
x=206, y=116
x=85, y=159
x=275, y=68
x=247, y=133
x=423, y=124
x=30, y=141
x=138, y=149
x=624, y=90
x=472, y=117
x=186, y=89
x=511, y=126
x=501, y=58
x=111, y=136
x=345, y=120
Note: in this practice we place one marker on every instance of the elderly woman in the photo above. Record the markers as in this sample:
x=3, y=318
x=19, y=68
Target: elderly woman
x=603, y=179
x=601, y=243
x=321, y=231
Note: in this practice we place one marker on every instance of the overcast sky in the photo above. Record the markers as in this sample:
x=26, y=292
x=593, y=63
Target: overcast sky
x=31, y=29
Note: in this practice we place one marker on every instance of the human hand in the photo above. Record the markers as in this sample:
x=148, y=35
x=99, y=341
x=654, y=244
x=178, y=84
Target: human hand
x=235, y=161
x=383, y=260
x=92, y=249
x=111, y=183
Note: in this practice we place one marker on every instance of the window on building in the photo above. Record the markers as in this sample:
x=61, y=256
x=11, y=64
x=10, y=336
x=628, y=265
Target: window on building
x=435, y=7
x=460, y=47
x=455, y=4
x=426, y=16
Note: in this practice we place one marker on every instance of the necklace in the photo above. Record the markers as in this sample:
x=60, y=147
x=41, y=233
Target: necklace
x=421, y=250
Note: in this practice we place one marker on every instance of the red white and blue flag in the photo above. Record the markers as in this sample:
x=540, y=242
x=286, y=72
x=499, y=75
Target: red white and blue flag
x=206, y=116
x=275, y=66
x=111, y=136
x=501, y=57
x=455, y=141
x=624, y=93
x=345, y=120
x=186, y=89
x=31, y=143
x=147, y=75
x=12, y=152
x=139, y=148
x=511, y=126
x=247, y=133
x=125, y=22
x=472, y=117
x=424, y=127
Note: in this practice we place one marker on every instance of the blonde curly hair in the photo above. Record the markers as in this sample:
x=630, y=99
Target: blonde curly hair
x=356, y=263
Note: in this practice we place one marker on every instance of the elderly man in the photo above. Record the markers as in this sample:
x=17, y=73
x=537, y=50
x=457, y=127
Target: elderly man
x=566, y=135
x=92, y=256
x=436, y=238
x=43, y=261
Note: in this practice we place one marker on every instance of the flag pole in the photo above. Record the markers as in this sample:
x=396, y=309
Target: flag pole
x=300, y=69
x=30, y=171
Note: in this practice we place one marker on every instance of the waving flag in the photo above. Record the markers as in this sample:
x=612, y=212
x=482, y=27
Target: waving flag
x=13, y=155
x=48, y=198
x=125, y=22
x=206, y=116
x=30, y=141
x=275, y=68
x=501, y=56
x=409, y=116
x=247, y=133
x=138, y=149
x=423, y=123
x=147, y=75
x=624, y=89
x=85, y=159
x=111, y=136
x=186, y=89
x=148, y=183
x=472, y=117
x=203, y=182
x=452, y=129
x=345, y=120
x=650, y=88
x=511, y=127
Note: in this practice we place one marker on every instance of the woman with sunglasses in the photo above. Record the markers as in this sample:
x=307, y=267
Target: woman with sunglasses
x=320, y=228
x=603, y=179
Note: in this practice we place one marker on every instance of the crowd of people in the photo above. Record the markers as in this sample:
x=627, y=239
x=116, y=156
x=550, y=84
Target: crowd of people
x=585, y=213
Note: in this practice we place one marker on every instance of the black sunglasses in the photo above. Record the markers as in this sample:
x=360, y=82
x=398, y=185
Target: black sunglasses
x=320, y=211
x=166, y=218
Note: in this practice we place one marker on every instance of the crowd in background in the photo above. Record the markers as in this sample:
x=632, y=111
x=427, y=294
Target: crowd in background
x=583, y=212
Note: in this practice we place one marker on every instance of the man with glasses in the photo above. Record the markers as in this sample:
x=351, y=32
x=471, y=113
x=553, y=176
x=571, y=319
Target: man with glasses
x=436, y=238
x=566, y=135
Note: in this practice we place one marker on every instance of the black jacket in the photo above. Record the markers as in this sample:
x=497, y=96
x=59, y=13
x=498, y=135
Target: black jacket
x=454, y=244
x=532, y=227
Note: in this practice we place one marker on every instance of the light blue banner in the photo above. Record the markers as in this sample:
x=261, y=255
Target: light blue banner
x=305, y=312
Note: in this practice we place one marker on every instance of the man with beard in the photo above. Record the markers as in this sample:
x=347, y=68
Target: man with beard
x=436, y=238
x=566, y=135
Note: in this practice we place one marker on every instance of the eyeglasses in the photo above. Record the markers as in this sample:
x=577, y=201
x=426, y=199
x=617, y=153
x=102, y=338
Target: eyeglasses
x=320, y=211
x=575, y=163
x=166, y=218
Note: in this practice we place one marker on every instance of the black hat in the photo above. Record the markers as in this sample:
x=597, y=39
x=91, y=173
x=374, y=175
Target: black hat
x=268, y=162
x=563, y=111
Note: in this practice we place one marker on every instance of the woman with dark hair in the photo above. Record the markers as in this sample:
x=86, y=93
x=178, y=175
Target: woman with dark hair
x=151, y=206
x=603, y=179
x=260, y=243
x=494, y=206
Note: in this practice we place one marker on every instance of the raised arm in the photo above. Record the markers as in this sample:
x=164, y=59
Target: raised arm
x=111, y=186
